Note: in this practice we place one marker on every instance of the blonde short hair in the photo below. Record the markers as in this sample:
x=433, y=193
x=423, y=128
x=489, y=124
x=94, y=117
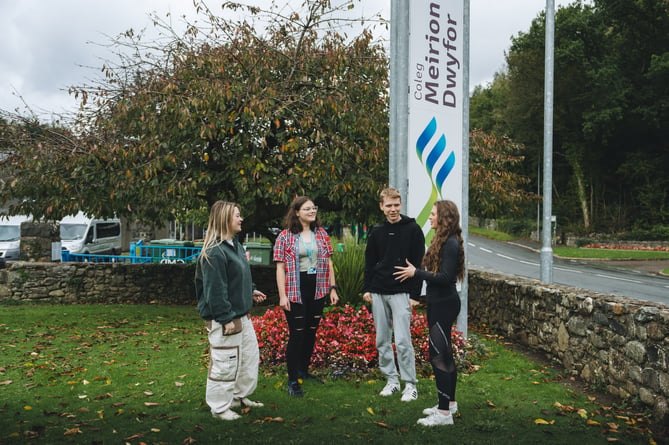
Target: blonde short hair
x=389, y=193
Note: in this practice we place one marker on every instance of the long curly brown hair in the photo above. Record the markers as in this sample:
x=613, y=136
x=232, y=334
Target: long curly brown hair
x=448, y=224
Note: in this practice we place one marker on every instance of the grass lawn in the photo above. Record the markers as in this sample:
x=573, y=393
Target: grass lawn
x=135, y=374
x=610, y=254
x=492, y=234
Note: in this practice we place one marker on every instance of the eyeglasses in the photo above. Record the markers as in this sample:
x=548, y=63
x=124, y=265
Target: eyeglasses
x=309, y=209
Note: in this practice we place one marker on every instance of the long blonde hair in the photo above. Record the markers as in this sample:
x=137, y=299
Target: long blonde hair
x=448, y=224
x=219, y=227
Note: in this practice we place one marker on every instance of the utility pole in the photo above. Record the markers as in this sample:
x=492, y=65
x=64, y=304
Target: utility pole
x=546, y=247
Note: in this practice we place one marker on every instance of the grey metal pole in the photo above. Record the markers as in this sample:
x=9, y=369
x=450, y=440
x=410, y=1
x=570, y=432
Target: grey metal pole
x=546, y=247
x=399, y=98
x=464, y=211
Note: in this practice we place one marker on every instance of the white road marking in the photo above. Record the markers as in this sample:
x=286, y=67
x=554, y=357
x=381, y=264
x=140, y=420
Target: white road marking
x=617, y=278
x=506, y=257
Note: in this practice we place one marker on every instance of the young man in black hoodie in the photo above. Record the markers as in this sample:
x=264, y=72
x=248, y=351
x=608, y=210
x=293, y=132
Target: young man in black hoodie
x=397, y=239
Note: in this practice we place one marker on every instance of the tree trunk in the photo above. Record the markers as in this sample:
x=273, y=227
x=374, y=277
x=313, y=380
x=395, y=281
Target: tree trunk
x=582, y=196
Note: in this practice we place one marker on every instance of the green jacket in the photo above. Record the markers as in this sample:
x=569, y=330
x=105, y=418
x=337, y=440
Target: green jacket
x=223, y=284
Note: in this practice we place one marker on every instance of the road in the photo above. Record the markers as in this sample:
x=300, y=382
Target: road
x=494, y=256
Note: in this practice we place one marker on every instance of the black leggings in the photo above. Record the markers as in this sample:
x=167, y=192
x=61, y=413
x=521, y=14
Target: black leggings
x=303, y=320
x=441, y=317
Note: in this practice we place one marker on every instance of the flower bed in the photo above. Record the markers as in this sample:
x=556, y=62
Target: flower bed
x=346, y=341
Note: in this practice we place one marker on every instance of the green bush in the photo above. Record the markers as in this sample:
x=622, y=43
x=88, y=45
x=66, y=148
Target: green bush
x=580, y=242
x=522, y=228
x=349, y=266
x=658, y=233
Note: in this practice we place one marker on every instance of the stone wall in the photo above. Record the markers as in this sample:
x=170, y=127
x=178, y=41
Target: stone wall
x=84, y=283
x=614, y=343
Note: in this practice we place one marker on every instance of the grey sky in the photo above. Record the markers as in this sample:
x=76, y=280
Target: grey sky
x=48, y=45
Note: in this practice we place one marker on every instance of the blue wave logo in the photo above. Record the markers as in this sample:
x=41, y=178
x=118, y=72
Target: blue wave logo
x=430, y=155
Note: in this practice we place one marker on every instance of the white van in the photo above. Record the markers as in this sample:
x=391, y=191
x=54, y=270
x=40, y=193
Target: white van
x=81, y=234
x=10, y=236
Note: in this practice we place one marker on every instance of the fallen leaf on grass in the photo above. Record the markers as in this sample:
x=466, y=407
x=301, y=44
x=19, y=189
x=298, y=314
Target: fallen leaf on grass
x=273, y=419
x=543, y=422
x=383, y=425
x=490, y=404
x=178, y=383
x=592, y=422
x=583, y=413
x=151, y=403
x=370, y=411
x=6, y=382
x=72, y=431
x=188, y=441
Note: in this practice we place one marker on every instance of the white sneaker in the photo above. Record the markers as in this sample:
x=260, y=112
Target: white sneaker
x=436, y=419
x=245, y=401
x=410, y=393
x=453, y=408
x=228, y=414
x=389, y=389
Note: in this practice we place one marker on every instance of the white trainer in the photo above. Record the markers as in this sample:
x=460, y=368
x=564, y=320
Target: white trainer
x=410, y=393
x=228, y=414
x=436, y=419
x=389, y=389
x=453, y=408
x=245, y=401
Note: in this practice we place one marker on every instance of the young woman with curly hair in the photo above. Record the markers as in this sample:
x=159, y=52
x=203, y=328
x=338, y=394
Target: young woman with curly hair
x=443, y=265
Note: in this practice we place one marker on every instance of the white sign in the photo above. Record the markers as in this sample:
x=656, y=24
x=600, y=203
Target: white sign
x=436, y=93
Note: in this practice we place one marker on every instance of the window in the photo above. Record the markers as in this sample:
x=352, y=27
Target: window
x=108, y=230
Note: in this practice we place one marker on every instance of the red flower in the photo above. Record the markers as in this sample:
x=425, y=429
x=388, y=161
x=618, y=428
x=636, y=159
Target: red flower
x=346, y=340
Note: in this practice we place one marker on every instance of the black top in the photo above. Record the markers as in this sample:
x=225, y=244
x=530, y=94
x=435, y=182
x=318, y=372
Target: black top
x=441, y=285
x=390, y=245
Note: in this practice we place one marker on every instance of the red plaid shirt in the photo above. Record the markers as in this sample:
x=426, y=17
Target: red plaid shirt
x=286, y=250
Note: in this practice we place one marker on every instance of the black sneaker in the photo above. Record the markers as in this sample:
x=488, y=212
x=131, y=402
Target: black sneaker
x=295, y=390
x=310, y=377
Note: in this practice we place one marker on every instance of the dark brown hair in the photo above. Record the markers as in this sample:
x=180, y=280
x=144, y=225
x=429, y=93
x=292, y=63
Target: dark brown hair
x=448, y=224
x=293, y=223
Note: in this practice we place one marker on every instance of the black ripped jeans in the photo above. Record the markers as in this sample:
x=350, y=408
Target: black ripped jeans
x=440, y=318
x=303, y=320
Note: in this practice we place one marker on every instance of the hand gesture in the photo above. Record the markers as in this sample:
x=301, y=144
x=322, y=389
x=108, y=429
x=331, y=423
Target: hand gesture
x=404, y=273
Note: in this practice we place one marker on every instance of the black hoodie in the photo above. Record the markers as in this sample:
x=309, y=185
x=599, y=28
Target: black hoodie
x=390, y=245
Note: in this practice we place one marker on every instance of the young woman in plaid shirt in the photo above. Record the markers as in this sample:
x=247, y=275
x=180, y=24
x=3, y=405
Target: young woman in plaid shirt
x=304, y=276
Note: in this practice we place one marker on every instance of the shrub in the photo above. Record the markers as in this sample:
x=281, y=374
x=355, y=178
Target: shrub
x=522, y=228
x=346, y=342
x=349, y=267
x=657, y=233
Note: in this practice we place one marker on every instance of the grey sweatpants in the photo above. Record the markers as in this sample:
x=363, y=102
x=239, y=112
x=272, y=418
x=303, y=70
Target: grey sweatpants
x=393, y=313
